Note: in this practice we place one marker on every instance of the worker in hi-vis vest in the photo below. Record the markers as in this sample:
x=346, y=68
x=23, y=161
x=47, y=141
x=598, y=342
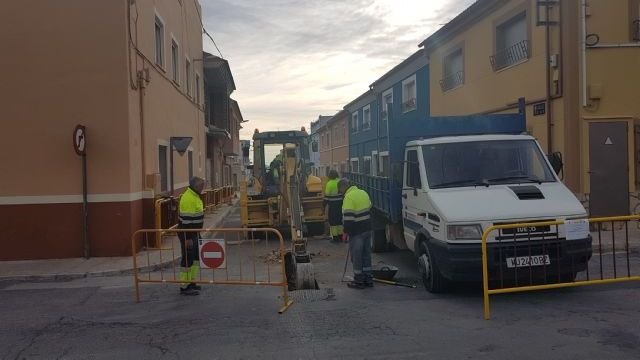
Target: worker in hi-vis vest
x=191, y=217
x=356, y=217
x=333, y=204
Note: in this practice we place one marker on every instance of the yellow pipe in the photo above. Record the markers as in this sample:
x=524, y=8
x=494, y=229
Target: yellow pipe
x=563, y=285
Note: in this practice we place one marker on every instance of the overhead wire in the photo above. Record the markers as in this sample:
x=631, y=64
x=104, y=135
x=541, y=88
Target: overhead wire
x=204, y=30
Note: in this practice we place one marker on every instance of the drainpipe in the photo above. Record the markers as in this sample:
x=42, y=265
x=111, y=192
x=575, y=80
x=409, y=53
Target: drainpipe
x=583, y=49
x=548, y=85
x=141, y=87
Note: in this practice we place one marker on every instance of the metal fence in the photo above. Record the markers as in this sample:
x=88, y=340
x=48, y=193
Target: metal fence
x=549, y=255
x=227, y=256
x=509, y=56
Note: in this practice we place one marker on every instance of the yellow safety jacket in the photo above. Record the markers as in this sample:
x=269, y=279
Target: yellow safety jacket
x=191, y=213
x=356, y=215
x=334, y=199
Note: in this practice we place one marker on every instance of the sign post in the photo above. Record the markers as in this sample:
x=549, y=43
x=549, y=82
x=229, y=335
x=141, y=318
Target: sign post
x=80, y=146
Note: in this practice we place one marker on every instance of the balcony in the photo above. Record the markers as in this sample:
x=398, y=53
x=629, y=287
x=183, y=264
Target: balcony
x=451, y=81
x=510, y=56
x=409, y=105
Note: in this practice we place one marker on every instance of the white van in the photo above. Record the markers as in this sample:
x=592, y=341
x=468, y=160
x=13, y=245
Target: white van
x=456, y=187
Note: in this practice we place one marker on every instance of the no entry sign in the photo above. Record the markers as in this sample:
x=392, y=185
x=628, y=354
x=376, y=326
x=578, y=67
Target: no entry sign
x=212, y=254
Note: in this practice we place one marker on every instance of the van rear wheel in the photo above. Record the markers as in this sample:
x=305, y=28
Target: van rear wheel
x=432, y=279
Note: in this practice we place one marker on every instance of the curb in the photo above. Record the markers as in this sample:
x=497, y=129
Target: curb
x=127, y=271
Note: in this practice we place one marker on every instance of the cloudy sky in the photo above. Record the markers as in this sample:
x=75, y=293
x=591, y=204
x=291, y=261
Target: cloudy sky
x=293, y=60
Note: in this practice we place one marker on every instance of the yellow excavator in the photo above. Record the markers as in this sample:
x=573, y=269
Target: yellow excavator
x=285, y=196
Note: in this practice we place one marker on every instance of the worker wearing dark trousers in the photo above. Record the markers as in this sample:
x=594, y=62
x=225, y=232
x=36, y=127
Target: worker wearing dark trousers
x=191, y=217
x=333, y=204
x=356, y=217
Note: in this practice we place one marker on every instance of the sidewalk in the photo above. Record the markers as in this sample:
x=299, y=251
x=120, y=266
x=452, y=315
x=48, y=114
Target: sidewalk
x=76, y=268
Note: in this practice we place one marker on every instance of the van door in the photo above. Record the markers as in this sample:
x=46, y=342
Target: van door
x=413, y=196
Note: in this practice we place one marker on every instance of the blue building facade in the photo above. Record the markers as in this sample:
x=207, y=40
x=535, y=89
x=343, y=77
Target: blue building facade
x=400, y=95
x=399, y=108
x=363, y=132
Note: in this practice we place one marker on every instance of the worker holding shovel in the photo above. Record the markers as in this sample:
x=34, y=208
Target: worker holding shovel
x=356, y=220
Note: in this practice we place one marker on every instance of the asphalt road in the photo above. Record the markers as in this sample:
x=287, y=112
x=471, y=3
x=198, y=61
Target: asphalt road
x=97, y=319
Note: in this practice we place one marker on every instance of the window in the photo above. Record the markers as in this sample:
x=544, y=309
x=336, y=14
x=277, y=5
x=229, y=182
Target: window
x=343, y=168
x=354, y=122
x=190, y=160
x=387, y=104
x=162, y=165
x=175, y=58
x=198, y=89
x=366, y=165
x=452, y=70
x=384, y=163
x=374, y=163
x=512, y=44
x=485, y=163
x=159, y=39
x=187, y=69
x=355, y=168
x=409, y=94
x=413, y=170
x=366, y=118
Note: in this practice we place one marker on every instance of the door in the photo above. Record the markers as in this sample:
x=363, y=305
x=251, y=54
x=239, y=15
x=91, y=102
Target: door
x=608, y=169
x=413, y=196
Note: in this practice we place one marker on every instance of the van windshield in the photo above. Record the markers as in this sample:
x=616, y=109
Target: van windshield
x=485, y=163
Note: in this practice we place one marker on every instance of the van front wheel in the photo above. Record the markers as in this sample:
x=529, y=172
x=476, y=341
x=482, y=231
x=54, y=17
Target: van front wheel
x=432, y=279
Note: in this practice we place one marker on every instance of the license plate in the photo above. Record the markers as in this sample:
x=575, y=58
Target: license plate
x=535, y=260
x=527, y=230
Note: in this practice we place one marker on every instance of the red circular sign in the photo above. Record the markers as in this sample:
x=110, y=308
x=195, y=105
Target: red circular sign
x=211, y=254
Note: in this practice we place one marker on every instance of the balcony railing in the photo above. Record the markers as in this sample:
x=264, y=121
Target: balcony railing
x=451, y=81
x=509, y=56
x=636, y=30
x=409, y=105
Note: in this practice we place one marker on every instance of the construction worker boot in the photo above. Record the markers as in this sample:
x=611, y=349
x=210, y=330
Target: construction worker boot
x=188, y=291
x=195, y=286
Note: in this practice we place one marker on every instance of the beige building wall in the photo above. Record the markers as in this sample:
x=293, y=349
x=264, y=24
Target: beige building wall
x=340, y=142
x=325, y=140
x=169, y=107
x=612, y=83
x=612, y=77
x=59, y=74
x=74, y=62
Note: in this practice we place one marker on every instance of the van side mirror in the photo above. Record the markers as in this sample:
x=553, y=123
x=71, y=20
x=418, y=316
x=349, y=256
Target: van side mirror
x=556, y=162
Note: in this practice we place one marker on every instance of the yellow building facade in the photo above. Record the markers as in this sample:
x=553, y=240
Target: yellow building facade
x=577, y=64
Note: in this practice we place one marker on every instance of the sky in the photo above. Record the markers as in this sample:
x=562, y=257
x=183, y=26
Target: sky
x=293, y=60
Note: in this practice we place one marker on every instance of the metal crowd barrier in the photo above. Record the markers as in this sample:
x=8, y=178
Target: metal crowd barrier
x=166, y=216
x=213, y=198
x=537, y=266
x=228, y=256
